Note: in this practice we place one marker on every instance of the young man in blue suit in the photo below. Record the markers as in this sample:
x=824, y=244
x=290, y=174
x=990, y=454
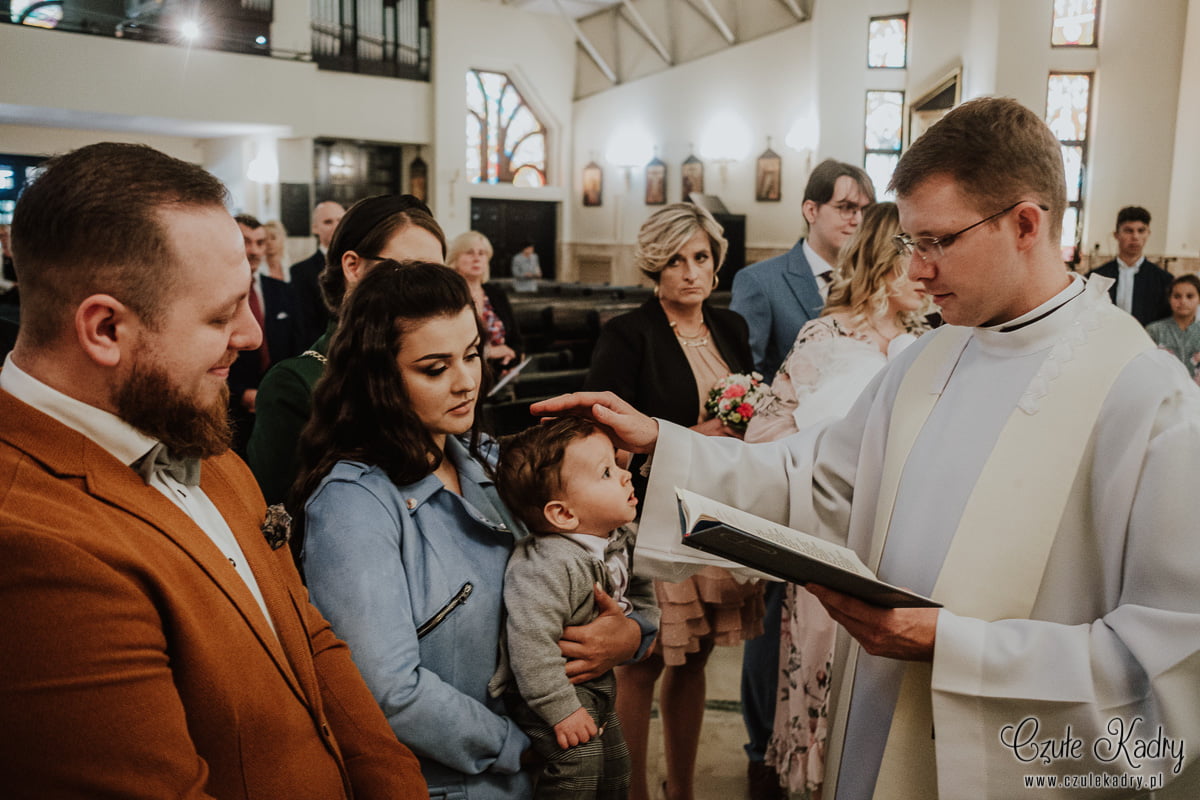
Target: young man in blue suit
x=777, y=297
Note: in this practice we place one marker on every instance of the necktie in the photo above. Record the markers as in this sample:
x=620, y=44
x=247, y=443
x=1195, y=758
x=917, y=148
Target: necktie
x=264, y=356
x=184, y=470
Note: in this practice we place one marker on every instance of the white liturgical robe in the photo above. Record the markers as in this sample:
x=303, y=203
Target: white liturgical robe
x=1099, y=689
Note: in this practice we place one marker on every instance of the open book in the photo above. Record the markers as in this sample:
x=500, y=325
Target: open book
x=788, y=554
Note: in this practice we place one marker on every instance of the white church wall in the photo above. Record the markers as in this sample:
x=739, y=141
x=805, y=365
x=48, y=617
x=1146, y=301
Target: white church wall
x=1183, y=224
x=764, y=86
x=538, y=52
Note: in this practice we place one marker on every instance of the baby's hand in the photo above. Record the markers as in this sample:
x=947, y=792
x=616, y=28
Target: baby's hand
x=575, y=729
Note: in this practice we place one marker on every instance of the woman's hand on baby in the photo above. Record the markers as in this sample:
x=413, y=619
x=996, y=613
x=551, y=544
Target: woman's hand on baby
x=593, y=649
x=577, y=728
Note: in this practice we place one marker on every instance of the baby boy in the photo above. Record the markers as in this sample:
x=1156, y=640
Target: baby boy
x=562, y=480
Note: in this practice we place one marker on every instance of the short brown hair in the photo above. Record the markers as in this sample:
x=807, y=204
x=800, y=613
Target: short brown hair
x=366, y=229
x=90, y=223
x=998, y=151
x=823, y=180
x=1132, y=214
x=666, y=231
x=529, y=474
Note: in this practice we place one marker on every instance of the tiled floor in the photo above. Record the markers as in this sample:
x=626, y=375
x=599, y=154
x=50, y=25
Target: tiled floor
x=721, y=764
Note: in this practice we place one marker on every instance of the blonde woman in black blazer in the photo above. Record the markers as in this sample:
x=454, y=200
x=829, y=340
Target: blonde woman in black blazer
x=661, y=358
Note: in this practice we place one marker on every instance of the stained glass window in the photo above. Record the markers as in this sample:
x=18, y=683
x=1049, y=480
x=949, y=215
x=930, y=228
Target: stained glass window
x=1068, y=107
x=880, y=167
x=34, y=12
x=506, y=142
x=1073, y=162
x=1067, y=101
x=883, y=135
x=1074, y=23
x=887, y=42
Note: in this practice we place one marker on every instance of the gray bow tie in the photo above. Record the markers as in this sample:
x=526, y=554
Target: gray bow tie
x=184, y=470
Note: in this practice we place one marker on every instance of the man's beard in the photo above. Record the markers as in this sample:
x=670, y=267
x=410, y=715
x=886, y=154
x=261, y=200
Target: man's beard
x=151, y=403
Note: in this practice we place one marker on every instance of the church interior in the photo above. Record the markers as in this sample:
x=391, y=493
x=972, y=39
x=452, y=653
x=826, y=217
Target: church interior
x=567, y=122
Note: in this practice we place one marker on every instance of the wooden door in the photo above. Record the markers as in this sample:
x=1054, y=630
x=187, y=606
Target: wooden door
x=510, y=224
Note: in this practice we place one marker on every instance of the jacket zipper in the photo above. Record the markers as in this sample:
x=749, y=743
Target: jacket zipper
x=440, y=616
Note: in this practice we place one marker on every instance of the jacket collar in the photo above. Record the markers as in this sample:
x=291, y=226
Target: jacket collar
x=417, y=494
x=799, y=278
x=654, y=309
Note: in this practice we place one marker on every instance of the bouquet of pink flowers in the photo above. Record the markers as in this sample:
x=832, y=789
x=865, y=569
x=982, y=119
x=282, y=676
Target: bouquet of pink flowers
x=736, y=398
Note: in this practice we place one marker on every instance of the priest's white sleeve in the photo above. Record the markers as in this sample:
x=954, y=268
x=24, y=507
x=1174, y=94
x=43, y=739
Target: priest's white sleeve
x=805, y=481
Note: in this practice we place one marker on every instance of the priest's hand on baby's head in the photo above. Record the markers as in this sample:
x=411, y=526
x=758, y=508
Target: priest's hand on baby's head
x=628, y=428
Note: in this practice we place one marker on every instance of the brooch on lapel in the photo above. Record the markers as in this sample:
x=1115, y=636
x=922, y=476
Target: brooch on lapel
x=277, y=527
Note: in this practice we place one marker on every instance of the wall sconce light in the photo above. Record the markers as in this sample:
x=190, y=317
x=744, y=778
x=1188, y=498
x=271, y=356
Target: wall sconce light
x=725, y=139
x=263, y=169
x=629, y=147
x=803, y=137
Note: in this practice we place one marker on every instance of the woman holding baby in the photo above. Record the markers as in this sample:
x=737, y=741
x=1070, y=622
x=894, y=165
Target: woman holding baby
x=406, y=539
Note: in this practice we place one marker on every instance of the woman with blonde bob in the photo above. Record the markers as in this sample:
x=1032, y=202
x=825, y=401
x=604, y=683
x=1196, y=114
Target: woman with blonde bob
x=470, y=255
x=873, y=312
x=663, y=358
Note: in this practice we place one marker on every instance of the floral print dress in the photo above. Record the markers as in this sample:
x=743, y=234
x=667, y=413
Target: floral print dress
x=823, y=374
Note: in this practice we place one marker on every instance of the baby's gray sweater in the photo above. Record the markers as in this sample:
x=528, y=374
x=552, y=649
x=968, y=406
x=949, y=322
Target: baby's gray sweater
x=548, y=586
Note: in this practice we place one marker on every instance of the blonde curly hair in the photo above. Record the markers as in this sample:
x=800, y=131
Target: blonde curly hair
x=868, y=268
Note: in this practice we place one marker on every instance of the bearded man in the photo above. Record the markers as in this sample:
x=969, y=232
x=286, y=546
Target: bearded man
x=154, y=644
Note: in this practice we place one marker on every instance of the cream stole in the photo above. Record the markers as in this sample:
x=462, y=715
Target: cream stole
x=996, y=561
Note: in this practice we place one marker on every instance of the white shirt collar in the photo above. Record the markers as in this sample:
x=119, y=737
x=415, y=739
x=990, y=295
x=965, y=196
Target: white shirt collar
x=1055, y=315
x=1134, y=266
x=120, y=439
x=818, y=265
x=593, y=544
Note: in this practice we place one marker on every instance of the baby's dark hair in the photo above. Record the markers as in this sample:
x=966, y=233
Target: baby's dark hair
x=529, y=474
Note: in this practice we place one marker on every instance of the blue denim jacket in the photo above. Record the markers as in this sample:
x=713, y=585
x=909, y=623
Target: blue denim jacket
x=412, y=579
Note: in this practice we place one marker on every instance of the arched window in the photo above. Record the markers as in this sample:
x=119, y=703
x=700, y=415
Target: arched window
x=506, y=142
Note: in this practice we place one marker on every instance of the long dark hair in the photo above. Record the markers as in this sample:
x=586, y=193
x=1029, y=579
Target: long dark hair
x=360, y=405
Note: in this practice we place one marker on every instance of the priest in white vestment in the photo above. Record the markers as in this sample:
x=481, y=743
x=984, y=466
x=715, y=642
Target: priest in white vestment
x=1030, y=465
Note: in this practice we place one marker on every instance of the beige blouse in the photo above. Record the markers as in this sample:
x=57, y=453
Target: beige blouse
x=707, y=366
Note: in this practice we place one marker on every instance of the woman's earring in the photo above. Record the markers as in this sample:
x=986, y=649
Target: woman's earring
x=656, y=290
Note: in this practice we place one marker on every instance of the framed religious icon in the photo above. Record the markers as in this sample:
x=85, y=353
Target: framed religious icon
x=418, y=178
x=656, y=183
x=767, y=177
x=593, y=184
x=693, y=176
